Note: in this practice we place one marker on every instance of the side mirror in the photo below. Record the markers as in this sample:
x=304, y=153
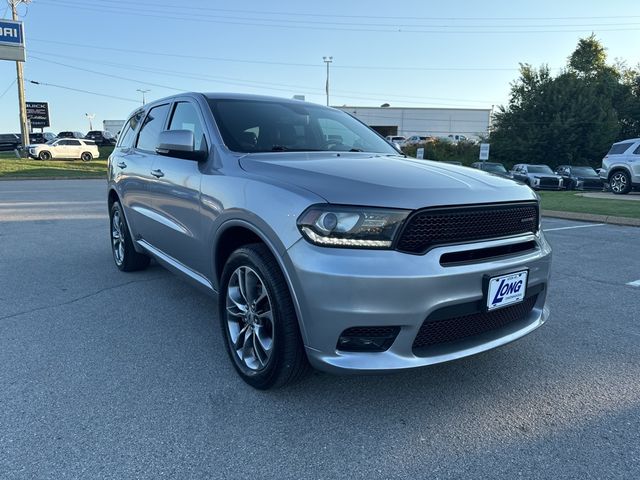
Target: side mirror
x=179, y=144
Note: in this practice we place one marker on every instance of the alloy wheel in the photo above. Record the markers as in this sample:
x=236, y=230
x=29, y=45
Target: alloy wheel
x=618, y=182
x=249, y=319
x=117, y=238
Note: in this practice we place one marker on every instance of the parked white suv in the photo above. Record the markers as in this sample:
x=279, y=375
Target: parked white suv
x=621, y=166
x=85, y=150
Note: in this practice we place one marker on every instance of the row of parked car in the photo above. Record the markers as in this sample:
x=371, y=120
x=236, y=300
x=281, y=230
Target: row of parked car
x=417, y=140
x=12, y=141
x=620, y=172
x=542, y=177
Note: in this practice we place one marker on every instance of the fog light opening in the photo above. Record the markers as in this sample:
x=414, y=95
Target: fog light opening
x=367, y=339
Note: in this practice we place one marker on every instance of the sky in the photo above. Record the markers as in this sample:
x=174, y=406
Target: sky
x=407, y=53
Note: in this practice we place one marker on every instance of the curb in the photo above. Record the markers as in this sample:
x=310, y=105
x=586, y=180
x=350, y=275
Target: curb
x=590, y=217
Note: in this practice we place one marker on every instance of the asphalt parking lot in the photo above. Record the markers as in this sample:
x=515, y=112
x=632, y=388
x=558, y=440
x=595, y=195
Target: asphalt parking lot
x=112, y=375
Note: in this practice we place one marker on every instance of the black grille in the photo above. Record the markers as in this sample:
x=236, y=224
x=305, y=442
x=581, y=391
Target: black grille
x=370, y=332
x=549, y=182
x=428, y=228
x=465, y=326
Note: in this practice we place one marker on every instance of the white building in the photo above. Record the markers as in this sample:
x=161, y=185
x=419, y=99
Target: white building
x=435, y=122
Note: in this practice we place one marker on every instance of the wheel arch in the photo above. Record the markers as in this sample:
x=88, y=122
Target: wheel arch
x=616, y=169
x=232, y=235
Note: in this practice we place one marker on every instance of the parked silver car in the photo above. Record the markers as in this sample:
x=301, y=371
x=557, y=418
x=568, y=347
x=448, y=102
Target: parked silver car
x=324, y=244
x=621, y=166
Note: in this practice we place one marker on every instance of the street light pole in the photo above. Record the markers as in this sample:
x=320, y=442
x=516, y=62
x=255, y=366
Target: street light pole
x=327, y=60
x=24, y=127
x=143, y=92
x=90, y=116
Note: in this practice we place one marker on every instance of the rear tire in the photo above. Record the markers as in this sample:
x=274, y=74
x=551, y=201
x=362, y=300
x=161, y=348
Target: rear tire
x=258, y=320
x=124, y=254
x=620, y=182
x=44, y=155
x=86, y=156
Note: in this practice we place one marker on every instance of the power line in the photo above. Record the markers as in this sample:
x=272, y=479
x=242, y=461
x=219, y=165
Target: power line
x=82, y=91
x=8, y=88
x=333, y=16
x=237, y=81
x=267, y=62
x=331, y=27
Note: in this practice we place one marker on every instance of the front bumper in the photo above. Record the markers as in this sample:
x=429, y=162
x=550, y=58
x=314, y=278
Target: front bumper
x=335, y=289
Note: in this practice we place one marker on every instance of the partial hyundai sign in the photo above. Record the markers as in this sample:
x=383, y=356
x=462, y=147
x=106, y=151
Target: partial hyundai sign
x=11, y=41
x=38, y=114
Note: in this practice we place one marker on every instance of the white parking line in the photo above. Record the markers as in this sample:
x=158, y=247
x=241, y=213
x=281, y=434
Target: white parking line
x=574, y=226
x=634, y=284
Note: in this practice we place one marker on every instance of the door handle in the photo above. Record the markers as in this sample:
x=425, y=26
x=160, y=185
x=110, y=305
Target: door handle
x=157, y=173
x=122, y=165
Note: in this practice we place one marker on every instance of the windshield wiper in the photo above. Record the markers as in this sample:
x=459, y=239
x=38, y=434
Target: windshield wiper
x=282, y=148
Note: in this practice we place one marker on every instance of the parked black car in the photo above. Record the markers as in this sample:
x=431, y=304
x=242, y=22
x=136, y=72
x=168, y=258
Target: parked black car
x=101, y=137
x=70, y=135
x=36, y=138
x=9, y=141
x=492, y=167
x=538, y=177
x=579, y=178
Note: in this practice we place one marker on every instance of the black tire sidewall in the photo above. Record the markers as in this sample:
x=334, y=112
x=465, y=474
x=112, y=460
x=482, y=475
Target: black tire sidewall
x=282, y=307
x=88, y=154
x=44, y=154
x=132, y=260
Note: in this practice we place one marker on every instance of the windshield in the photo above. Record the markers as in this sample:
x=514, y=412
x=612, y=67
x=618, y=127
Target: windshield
x=584, y=171
x=539, y=169
x=495, y=168
x=269, y=126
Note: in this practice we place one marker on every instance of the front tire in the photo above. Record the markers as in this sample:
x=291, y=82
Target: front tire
x=44, y=155
x=620, y=182
x=124, y=254
x=259, y=321
x=86, y=156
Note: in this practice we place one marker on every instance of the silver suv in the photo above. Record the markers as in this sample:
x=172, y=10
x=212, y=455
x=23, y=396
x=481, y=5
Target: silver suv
x=621, y=166
x=323, y=244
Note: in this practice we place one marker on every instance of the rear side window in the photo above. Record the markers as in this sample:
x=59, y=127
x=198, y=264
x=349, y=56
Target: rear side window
x=151, y=128
x=637, y=150
x=619, y=148
x=185, y=117
x=75, y=143
x=129, y=131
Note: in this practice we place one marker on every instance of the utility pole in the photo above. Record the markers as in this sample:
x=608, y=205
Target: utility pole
x=327, y=60
x=143, y=92
x=90, y=116
x=24, y=127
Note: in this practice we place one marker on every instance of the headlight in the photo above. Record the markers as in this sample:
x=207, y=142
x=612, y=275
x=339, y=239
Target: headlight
x=350, y=227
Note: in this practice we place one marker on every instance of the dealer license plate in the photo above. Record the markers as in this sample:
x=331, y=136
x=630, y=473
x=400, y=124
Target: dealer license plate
x=506, y=289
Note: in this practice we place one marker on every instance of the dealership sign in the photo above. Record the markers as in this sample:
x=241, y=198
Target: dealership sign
x=484, y=151
x=38, y=114
x=11, y=41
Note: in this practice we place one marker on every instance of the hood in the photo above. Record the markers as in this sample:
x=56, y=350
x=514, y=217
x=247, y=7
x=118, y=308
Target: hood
x=544, y=175
x=384, y=181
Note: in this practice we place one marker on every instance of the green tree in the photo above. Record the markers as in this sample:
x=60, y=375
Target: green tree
x=572, y=117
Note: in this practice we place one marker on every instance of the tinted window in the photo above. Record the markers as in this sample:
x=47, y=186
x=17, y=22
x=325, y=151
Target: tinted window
x=584, y=172
x=129, y=131
x=619, y=148
x=266, y=126
x=495, y=168
x=185, y=117
x=539, y=169
x=75, y=143
x=151, y=128
x=637, y=150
